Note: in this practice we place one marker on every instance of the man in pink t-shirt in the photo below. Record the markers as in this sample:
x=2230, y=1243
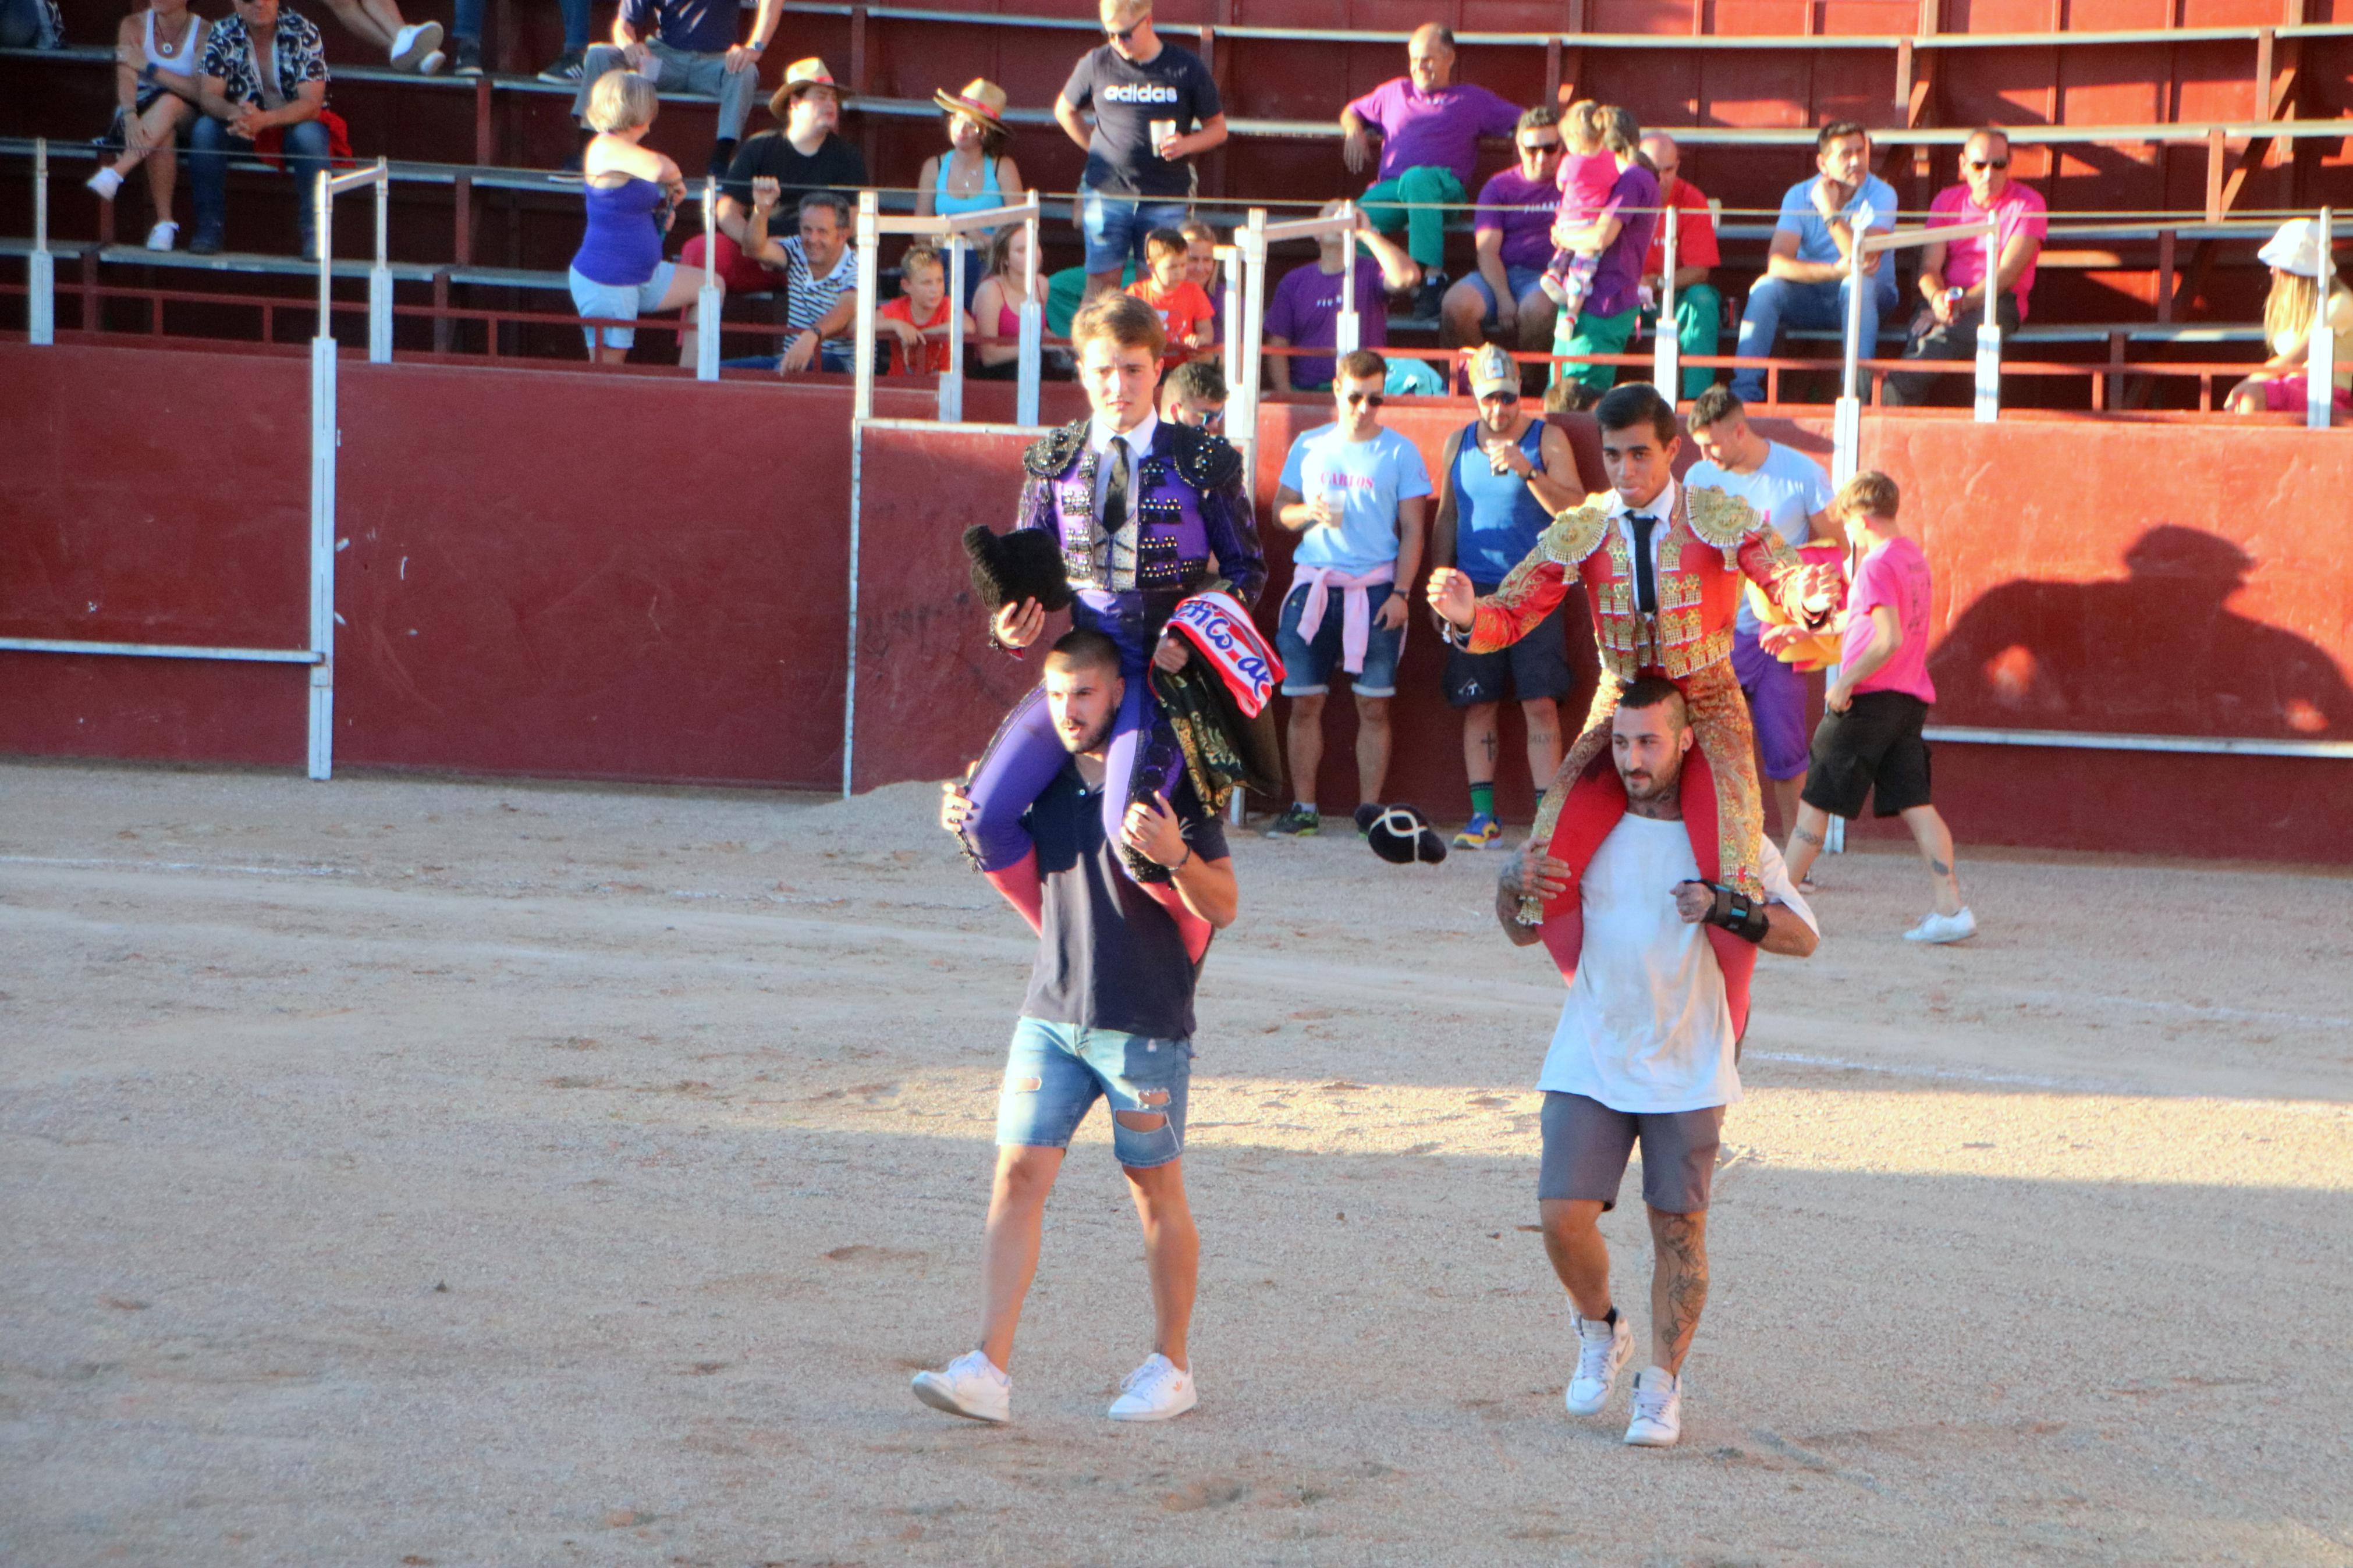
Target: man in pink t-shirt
x=1952, y=276
x=1869, y=743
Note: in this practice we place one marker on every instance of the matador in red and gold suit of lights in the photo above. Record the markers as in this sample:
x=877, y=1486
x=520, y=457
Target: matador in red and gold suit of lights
x=1678, y=626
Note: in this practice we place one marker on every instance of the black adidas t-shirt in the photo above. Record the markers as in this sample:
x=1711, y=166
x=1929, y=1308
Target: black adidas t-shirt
x=1110, y=957
x=1128, y=96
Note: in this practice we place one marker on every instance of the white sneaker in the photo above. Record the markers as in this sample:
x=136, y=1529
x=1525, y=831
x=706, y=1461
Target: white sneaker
x=1601, y=1349
x=970, y=1386
x=106, y=182
x=413, y=43
x=1958, y=927
x=1658, y=1420
x=163, y=236
x=1157, y=1391
x=431, y=64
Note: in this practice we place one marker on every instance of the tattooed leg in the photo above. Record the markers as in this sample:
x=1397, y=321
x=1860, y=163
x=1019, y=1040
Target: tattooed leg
x=1806, y=841
x=1936, y=842
x=1678, y=1285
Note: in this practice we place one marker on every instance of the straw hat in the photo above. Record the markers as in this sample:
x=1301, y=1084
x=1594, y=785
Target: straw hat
x=801, y=73
x=981, y=98
x=2295, y=248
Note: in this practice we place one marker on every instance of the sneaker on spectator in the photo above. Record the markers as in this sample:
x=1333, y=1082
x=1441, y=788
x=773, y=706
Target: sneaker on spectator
x=412, y=45
x=1157, y=1391
x=1602, y=1348
x=970, y=1386
x=1482, y=832
x=1368, y=813
x=106, y=182
x=1957, y=927
x=206, y=243
x=1658, y=1420
x=163, y=236
x=566, y=71
x=465, y=56
x=431, y=64
x=1296, y=822
x=1427, y=299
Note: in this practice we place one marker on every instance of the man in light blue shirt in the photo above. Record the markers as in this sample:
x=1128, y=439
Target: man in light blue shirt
x=1359, y=497
x=1814, y=241
x=1790, y=492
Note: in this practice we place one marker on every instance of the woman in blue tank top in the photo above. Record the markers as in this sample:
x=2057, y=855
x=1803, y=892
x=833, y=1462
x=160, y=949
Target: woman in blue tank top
x=619, y=271
x=974, y=175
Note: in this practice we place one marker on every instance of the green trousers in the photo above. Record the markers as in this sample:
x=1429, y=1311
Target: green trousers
x=1699, y=322
x=1595, y=335
x=1412, y=202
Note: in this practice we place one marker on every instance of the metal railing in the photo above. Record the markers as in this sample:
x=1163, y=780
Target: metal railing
x=872, y=225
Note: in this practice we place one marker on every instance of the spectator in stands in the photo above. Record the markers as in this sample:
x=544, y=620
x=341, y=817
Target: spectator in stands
x=277, y=115
x=1617, y=239
x=1500, y=482
x=1359, y=496
x=1156, y=106
x=632, y=194
x=996, y=307
x=975, y=173
x=1305, y=310
x=808, y=154
x=157, y=53
x=688, y=46
x=1790, y=492
x=1952, y=276
x=1699, y=309
x=409, y=46
x=1512, y=231
x=31, y=24
x=918, y=319
x=1195, y=394
x=1807, y=264
x=1185, y=314
x=1201, y=268
x=1429, y=126
x=2298, y=266
x=564, y=70
x=821, y=280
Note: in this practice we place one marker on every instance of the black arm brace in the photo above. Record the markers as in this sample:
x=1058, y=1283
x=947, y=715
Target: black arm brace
x=1738, y=913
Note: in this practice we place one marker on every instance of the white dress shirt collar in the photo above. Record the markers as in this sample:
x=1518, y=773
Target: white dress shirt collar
x=1139, y=440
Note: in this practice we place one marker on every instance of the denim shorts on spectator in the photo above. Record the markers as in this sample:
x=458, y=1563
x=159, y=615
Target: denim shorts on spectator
x=619, y=299
x=1115, y=227
x=1054, y=1073
x=1308, y=667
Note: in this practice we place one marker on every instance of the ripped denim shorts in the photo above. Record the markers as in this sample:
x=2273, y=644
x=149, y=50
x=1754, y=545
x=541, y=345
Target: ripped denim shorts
x=1055, y=1072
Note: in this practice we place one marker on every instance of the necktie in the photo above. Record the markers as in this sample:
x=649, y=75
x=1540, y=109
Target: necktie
x=1115, y=508
x=1646, y=582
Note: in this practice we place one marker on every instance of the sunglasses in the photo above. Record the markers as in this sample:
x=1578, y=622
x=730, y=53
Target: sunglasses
x=1537, y=149
x=1988, y=162
x=1503, y=397
x=1124, y=34
x=1369, y=399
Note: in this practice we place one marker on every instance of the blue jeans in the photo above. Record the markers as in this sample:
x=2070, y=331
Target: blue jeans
x=1055, y=1073
x=1115, y=226
x=211, y=144
x=1775, y=304
x=837, y=361
x=468, y=22
x=1307, y=666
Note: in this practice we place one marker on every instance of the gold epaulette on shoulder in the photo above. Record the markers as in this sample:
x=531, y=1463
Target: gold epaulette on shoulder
x=1721, y=519
x=1575, y=534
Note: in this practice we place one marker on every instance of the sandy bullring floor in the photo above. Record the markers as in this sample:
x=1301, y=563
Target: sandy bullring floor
x=407, y=1173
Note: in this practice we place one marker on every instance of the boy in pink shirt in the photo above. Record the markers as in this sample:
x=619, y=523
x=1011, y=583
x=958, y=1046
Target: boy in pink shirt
x=1869, y=742
x=1588, y=173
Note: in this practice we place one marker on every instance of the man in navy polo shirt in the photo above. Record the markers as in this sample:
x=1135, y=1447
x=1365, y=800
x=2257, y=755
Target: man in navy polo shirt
x=1109, y=1015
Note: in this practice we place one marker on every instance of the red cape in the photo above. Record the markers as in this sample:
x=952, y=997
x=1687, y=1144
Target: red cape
x=1595, y=804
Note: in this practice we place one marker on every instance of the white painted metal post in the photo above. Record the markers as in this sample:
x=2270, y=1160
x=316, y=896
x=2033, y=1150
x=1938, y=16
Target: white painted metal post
x=41, y=267
x=324, y=438
x=951, y=382
x=1230, y=260
x=1033, y=326
x=1241, y=424
x=849, y=684
x=708, y=298
x=1846, y=416
x=1349, y=335
x=1989, y=397
x=2320, y=359
x=1667, y=371
x=869, y=257
x=380, y=276
x=322, y=215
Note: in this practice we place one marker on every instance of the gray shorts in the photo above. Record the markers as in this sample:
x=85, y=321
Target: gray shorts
x=1587, y=1144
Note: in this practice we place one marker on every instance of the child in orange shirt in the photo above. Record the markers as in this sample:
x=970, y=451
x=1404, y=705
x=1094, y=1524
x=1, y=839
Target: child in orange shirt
x=919, y=316
x=1185, y=313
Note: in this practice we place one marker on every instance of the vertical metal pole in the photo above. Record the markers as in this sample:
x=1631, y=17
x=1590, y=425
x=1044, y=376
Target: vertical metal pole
x=1033, y=326
x=849, y=687
x=2320, y=359
x=380, y=277
x=323, y=438
x=1668, y=366
x=1989, y=397
x=1346, y=336
x=41, y=267
x=1229, y=259
x=1846, y=416
x=322, y=208
x=1241, y=426
x=952, y=383
x=870, y=256
x=707, y=298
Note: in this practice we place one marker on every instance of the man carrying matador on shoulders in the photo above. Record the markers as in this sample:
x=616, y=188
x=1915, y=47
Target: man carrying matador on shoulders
x=1661, y=565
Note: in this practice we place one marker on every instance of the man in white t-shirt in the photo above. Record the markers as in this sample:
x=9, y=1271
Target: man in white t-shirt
x=1790, y=492
x=1658, y=958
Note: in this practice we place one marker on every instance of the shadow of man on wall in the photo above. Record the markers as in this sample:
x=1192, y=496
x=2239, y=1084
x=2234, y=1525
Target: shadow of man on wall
x=2158, y=652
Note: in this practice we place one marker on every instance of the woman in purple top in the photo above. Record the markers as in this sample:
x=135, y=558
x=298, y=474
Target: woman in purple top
x=1621, y=241
x=631, y=193
x=1430, y=127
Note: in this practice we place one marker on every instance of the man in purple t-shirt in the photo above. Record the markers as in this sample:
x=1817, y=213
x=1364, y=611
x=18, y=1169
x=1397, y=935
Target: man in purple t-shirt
x=1305, y=310
x=1512, y=226
x=1621, y=241
x=1430, y=127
